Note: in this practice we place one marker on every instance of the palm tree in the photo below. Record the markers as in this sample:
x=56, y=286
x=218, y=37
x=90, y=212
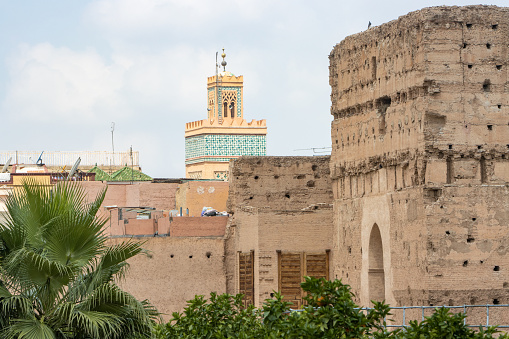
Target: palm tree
x=57, y=274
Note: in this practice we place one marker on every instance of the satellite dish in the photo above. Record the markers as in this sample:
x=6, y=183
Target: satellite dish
x=74, y=169
x=6, y=166
x=39, y=161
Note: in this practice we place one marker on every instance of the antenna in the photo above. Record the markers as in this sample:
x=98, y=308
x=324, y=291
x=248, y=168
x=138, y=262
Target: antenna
x=315, y=149
x=217, y=65
x=112, y=144
x=74, y=169
x=132, y=164
x=6, y=166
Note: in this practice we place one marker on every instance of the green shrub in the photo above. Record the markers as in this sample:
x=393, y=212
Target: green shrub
x=329, y=313
x=445, y=324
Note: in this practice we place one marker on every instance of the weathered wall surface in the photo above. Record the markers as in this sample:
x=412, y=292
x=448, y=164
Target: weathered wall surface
x=278, y=204
x=139, y=194
x=161, y=196
x=420, y=157
x=175, y=271
x=194, y=195
x=198, y=226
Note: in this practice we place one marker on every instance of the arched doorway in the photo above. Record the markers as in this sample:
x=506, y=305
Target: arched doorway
x=376, y=274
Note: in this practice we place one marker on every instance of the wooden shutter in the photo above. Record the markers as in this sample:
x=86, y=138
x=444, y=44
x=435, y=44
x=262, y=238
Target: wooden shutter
x=290, y=277
x=246, y=277
x=317, y=265
x=293, y=267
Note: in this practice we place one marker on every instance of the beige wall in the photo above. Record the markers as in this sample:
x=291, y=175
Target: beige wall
x=139, y=194
x=194, y=195
x=278, y=204
x=419, y=148
x=175, y=270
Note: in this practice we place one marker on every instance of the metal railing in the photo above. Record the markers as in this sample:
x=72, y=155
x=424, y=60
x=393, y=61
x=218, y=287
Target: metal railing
x=476, y=315
x=62, y=158
x=401, y=316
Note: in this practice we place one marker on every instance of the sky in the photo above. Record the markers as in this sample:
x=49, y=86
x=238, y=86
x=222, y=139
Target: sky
x=68, y=69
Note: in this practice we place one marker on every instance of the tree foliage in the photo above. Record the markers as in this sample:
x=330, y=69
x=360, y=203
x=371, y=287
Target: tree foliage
x=57, y=274
x=330, y=313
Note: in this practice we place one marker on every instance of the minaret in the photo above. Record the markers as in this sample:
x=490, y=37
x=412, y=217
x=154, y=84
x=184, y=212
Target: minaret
x=225, y=135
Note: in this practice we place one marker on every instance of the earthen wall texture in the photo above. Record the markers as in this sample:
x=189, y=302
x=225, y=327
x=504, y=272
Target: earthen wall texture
x=198, y=226
x=175, y=270
x=278, y=204
x=420, y=149
x=139, y=194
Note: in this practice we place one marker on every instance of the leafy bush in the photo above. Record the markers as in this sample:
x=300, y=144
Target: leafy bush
x=223, y=316
x=444, y=324
x=330, y=313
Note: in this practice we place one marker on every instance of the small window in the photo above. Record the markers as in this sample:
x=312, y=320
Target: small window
x=232, y=110
x=486, y=86
x=499, y=67
x=225, y=110
x=469, y=25
x=470, y=66
x=488, y=46
x=490, y=127
x=494, y=26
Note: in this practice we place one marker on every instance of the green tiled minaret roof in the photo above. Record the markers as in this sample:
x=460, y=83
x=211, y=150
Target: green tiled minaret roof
x=100, y=175
x=129, y=174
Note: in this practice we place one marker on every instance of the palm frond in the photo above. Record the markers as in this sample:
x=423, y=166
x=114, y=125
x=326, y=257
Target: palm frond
x=29, y=329
x=57, y=275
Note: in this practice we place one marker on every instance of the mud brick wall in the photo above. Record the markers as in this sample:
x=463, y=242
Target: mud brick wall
x=419, y=163
x=175, y=270
x=198, y=226
x=277, y=204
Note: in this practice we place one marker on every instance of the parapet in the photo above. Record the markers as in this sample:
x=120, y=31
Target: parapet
x=191, y=126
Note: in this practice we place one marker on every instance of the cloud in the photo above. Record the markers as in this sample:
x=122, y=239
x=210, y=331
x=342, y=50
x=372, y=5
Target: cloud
x=49, y=84
x=174, y=17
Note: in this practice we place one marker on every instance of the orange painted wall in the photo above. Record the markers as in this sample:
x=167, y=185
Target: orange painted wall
x=194, y=195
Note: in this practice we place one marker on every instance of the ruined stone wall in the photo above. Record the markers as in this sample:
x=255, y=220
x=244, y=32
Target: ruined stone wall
x=175, y=270
x=420, y=143
x=278, y=204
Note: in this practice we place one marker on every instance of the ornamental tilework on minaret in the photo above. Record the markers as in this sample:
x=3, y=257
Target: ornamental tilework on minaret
x=225, y=134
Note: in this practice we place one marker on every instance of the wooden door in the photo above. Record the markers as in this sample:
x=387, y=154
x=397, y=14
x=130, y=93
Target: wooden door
x=293, y=266
x=246, y=277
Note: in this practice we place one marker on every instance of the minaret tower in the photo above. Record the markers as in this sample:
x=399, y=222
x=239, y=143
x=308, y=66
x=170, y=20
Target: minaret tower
x=225, y=135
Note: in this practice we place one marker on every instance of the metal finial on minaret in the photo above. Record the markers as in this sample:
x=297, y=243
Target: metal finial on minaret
x=223, y=63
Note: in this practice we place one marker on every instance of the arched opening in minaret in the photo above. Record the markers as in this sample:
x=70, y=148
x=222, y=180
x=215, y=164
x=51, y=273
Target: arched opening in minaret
x=225, y=110
x=232, y=110
x=376, y=274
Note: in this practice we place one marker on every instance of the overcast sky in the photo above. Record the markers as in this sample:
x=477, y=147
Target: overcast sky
x=70, y=68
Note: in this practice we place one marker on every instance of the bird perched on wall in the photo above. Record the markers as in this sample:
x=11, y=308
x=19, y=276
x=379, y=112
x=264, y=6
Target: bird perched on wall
x=369, y=24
